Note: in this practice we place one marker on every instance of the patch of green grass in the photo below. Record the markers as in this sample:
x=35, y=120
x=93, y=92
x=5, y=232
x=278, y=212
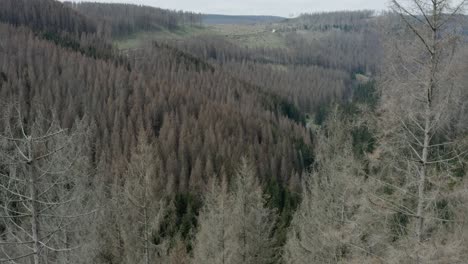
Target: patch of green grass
x=252, y=36
x=267, y=40
x=138, y=39
x=256, y=35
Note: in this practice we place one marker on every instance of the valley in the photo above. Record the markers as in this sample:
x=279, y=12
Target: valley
x=137, y=134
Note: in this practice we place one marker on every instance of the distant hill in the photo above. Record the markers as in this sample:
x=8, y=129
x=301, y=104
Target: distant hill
x=45, y=16
x=53, y=21
x=126, y=19
x=344, y=20
x=210, y=19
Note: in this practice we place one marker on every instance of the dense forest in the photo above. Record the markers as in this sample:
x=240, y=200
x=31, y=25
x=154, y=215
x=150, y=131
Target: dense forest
x=52, y=21
x=346, y=145
x=125, y=19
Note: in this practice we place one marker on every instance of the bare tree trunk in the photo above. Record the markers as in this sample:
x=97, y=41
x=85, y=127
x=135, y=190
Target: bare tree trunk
x=34, y=206
x=223, y=234
x=146, y=236
x=427, y=123
x=244, y=232
x=67, y=245
x=422, y=178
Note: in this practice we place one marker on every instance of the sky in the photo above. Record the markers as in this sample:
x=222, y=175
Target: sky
x=283, y=8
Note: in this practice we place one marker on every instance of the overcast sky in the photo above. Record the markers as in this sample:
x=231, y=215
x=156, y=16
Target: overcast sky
x=259, y=7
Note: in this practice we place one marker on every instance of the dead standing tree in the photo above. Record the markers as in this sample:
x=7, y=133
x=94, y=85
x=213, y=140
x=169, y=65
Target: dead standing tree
x=42, y=190
x=428, y=71
x=144, y=202
x=418, y=143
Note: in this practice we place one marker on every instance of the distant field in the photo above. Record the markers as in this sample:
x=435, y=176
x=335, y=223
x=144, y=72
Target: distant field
x=250, y=35
x=239, y=20
x=138, y=39
x=258, y=35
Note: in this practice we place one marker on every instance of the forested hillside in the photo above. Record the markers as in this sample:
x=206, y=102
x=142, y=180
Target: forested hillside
x=312, y=68
x=125, y=19
x=345, y=142
x=55, y=22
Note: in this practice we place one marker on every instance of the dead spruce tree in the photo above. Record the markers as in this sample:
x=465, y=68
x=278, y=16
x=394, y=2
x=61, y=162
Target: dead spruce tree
x=326, y=226
x=43, y=186
x=252, y=222
x=420, y=150
x=213, y=244
x=143, y=206
x=236, y=227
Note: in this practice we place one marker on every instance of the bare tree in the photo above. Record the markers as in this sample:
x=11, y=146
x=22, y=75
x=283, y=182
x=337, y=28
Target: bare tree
x=212, y=243
x=43, y=184
x=428, y=71
x=253, y=222
x=144, y=204
x=328, y=226
x=420, y=147
x=236, y=227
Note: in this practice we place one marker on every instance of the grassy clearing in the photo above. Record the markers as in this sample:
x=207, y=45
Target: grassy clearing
x=253, y=36
x=136, y=40
x=258, y=35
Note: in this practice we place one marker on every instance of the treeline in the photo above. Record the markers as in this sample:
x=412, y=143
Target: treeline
x=342, y=20
x=309, y=72
x=351, y=52
x=51, y=20
x=45, y=15
x=120, y=20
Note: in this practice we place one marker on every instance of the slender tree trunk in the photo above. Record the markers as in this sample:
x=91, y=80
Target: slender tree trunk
x=422, y=177
x=34, y=206
x=67, y=245
x=244, y=232
x=146, y=236
x=223, y=234
x=424, y=162
x=427, y=125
